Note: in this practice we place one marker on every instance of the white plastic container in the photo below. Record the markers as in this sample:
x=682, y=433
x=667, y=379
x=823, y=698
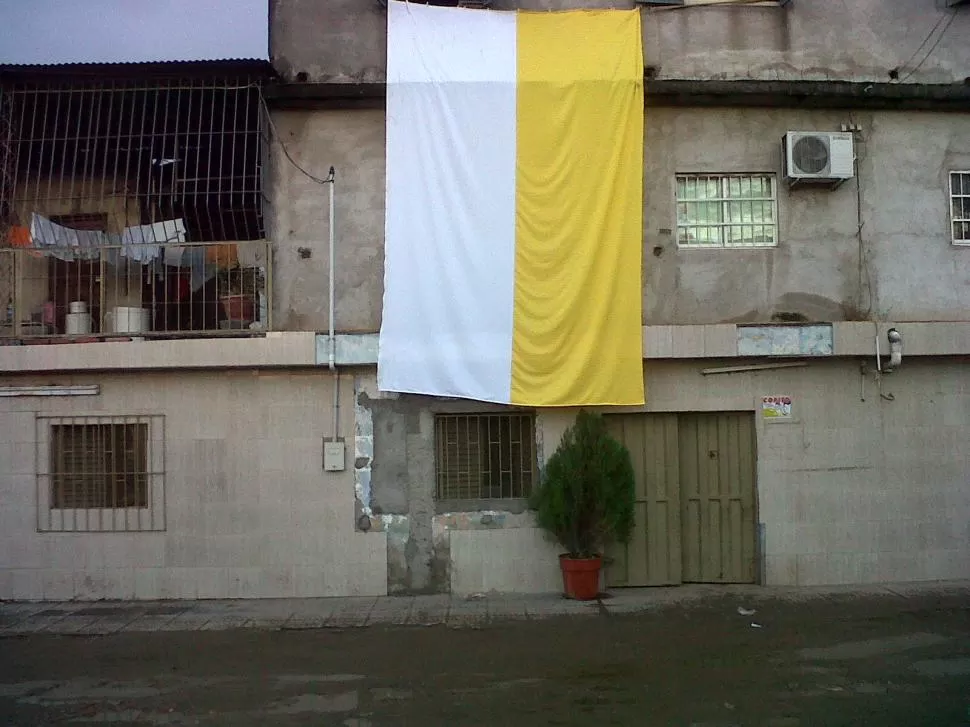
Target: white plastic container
x=126, y=319
x=77, y=323
x=78, y=306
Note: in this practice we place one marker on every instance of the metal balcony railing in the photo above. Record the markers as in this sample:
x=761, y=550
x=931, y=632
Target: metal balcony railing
x=138, y=290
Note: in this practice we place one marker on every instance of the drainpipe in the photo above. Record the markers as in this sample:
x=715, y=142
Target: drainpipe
x=331, y=180
x=332, y=339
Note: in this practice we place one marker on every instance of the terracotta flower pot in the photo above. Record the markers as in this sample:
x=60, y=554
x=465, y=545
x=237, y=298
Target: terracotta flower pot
x=239, y=307
x=580, y=577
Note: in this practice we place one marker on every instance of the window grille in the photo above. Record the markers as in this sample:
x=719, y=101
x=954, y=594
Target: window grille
x=726, y=210
x=100, y=473
x=484, y=456
x=960, y=207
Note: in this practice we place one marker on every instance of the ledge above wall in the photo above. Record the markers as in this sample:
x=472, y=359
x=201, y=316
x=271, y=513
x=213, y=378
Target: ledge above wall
x=283, y=349
x=685, y=92
x=306, y=349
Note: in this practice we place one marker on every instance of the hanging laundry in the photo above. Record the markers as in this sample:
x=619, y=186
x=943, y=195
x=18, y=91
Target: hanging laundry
x=143, y=243
x=65, y=243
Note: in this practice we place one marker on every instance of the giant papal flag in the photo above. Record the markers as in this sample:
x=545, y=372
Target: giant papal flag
x=514, y=206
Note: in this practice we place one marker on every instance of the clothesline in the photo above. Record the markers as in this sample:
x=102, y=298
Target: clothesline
x=141, y=243
x=154, y=246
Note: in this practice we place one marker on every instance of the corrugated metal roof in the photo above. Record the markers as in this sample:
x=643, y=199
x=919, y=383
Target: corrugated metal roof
x=60, y=32
x=137, y=64
x=74, y=73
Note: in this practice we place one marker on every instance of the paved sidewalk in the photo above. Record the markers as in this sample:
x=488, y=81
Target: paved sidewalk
x=109, y=617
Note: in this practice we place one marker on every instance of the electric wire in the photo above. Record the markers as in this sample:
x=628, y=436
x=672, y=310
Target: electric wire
x=949, y=20
x=282, y=145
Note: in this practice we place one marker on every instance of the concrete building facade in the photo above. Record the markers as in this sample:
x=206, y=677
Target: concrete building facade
x=861, y=474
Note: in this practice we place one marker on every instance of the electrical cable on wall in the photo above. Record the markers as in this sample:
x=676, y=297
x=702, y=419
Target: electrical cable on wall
x=948, y=17
x=286, y=152
x=330, y=180
x=864, y=271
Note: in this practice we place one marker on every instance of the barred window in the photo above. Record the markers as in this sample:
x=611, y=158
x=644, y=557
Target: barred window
x=960, y=207
x=484, y=456
x=736, y=210
x=100, y=473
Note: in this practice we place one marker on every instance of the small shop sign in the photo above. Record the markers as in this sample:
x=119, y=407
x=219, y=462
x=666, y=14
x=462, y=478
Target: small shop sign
x=776, y=407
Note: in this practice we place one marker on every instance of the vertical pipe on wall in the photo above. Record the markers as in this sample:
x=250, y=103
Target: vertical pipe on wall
x=331, y=179
x=332, y=341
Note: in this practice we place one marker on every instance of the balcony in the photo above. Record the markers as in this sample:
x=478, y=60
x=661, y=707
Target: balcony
x=131, y=208
x=135, y=291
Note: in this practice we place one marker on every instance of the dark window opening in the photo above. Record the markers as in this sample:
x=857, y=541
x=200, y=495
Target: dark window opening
x=99, y=466
x=484, y=456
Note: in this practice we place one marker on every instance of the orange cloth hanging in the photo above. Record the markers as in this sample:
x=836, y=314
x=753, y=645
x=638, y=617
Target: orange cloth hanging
x=223, y=256
x=19, y=236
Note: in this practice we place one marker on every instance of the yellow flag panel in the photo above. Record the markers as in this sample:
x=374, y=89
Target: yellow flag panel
x=578, y=210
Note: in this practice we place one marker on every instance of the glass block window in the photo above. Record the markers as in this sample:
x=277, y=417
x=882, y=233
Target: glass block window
x=727, y=210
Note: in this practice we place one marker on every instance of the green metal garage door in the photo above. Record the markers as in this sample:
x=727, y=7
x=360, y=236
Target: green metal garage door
x=695, y=499
x=652, y=557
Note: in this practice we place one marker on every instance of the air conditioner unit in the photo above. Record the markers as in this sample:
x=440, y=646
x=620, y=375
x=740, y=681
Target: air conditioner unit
x=818, y=157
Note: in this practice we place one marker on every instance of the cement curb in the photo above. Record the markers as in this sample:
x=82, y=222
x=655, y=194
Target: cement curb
x=99, y=618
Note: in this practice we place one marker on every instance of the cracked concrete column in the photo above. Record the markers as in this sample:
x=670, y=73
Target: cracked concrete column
x=420, y=547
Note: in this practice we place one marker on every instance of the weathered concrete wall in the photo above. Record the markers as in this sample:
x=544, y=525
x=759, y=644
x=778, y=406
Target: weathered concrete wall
x=910, y=270
x=520, y=560
x=905, y=168
x=822, y=40
x=399, y=499
x=249, y=511
x=812, y=272
x=345, y=40
x=856, y=488
x=402, y=484
x=850, y=491
x=337, y=40
x=353, y=142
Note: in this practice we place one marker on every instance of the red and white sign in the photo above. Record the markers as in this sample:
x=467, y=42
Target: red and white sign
x=776, y=407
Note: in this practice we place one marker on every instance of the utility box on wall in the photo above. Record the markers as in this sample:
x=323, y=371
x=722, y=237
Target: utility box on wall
x=333, y=456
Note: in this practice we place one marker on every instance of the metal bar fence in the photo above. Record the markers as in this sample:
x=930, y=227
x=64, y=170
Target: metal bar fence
x=140, y=290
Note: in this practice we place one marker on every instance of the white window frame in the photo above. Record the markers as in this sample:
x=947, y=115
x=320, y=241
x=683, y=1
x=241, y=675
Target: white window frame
x=965, y=196
x=723, y=200
x=150, y=518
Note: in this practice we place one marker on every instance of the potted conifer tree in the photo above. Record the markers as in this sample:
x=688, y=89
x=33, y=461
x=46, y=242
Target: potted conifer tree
x=585, y=500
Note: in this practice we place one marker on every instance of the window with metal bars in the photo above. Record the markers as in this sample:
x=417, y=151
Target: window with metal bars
x=727, y=210
x=484, y=456
x=960, y=207
x=100, y=473
x=99, y=465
